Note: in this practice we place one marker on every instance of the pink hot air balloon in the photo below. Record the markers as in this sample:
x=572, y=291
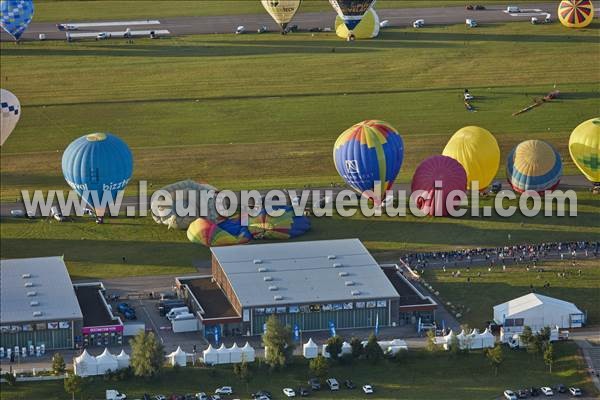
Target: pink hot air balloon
x=449, y=172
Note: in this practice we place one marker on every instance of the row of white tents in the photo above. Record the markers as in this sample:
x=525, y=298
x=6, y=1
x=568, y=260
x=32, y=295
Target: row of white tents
x=231, y=355
x=473, y=340
x=88, y=365
x=311, y=350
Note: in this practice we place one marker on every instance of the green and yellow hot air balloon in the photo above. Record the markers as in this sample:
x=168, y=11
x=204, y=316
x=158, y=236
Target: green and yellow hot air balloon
x=584, y=146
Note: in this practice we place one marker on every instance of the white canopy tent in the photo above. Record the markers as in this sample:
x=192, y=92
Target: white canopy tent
x=85, y=365
x=486, y=339
x=178, y=357
x=235, y=354
x=223, y=355
x=462, y=340
x=123, y=359
x=106, y=362
x=210, y=355
x=310, y=349
x=248, y=353
x=346, y=348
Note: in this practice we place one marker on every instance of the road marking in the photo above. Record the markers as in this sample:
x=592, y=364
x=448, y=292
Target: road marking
x=114, y=23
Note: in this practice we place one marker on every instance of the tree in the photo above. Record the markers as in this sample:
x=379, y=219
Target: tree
x=58, y=364
x=73, y=384
x=527, y=338
x=10, y=379
x=334, y=347
x=357, y=347
x=243, y=372
x=147, y=355
x=318, y=366
x=431, y=346
x=495, y=357
x=373, y=351
x=454, y=345
x=278, y=339
x=549, y=356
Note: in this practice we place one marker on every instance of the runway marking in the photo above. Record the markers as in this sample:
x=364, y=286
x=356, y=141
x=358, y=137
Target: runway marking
x=113, y=23
x=532, y=12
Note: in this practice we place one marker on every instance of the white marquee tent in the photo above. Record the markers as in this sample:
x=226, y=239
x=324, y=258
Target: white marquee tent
x=210, y=355
x=223, y=355
x=85, y=365
x=235, y=354
x=106, y=362
x=123, y=359
x=178, y=357
x=248, y=353
x=310, y=349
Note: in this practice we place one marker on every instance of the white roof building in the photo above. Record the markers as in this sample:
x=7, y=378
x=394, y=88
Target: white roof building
x=537, y=311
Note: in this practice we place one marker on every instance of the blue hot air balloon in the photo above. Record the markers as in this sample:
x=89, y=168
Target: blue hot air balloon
x=368, y=152
x=16, y=16
x=96, y=166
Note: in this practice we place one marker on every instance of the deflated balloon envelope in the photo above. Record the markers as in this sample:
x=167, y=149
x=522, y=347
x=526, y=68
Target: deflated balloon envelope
x=534, y=165
x=286, y=226
x=584, y=147
x=100, y=164
x=351, y=11
x=368, y=152
x=451, y=176
x=225, y=233
x=282, y=11
x=10, y=113
x=16, y=16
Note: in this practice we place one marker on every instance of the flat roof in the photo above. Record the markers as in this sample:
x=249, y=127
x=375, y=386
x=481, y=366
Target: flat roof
x=303, y=272
x=409, y=296
x=211, y=298
x=94, y=309
x=44, y=280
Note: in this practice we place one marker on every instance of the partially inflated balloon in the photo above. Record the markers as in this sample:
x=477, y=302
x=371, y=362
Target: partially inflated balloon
x=369, y=152
x=96, y=166
x=286, y=226
x=445, y=172
x=576, y=13
x=351, y=11
x=10, y=114
x=534, y=165
x=478, y=152
x=584, y=146
x=16, y=16
x=367, y=28
x=225, y=233
x=282, y=11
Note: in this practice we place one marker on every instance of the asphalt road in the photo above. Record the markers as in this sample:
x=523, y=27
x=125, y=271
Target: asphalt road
x=305, y=21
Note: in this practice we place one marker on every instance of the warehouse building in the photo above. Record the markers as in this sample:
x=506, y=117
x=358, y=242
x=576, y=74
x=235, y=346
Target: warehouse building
x=100, y=327
x=38, y=305
x=312, y=285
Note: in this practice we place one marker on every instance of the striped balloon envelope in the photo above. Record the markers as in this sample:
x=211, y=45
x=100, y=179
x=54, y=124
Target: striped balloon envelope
x=576, y=13
x=534, y=165
x=225, y=233
x=286, y=226
x=369, y=152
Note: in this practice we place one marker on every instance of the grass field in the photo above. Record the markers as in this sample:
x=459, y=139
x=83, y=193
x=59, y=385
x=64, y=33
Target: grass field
x=63, y=11
x=418, y=376
x=496, y=287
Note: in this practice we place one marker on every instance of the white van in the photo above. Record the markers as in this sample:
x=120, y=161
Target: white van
x=333, y=384
x=513, y=9
x=176, y=311
x=112, y=394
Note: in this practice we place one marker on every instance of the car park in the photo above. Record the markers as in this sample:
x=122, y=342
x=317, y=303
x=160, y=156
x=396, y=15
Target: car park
x=314, y=384
x=289, y=392
x=368, y=389
x=510, y=395
x=333, y=384
x=224, y=390
x=547, y=391
x=575, y=392
x=349, y=384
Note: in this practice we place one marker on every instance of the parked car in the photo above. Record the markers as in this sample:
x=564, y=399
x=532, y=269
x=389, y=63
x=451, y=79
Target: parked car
x=333, y=384
x=560, y=388
x=419, y=23
x=510, y=395
x=547, y=391
x=262, y=29
x=471, y=23
x=470, y=7
x=523, y=393
x=575, y=392
x=513, y=9
x=368, y=389
x=349, y=384
x=479, y=7
x=202, y=396
x=240, y=29
x=160, y=397
x=314, y=384
x=17, y=213
x=535, y=392
x=289, y=392
x=224, y=390
x=303, y=392
x=102, y=36
x=66, y=27
x=262, y=393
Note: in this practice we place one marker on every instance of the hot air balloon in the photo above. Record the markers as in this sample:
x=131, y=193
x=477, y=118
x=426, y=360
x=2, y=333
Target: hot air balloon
x=351, y=11
x=186, y=189
x=584, y=146
x=478, y=152
x=576, y=13
x=11, y=112
x=368, y=152
x=367, y=28
x=16, y=16
x=448, y=172
x=534, y=165
x=97, y=165
x=286, y=226
x=225, y=233
x=282, y=11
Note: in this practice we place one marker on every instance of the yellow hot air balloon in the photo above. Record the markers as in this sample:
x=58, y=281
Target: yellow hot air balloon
x=478, y=152
x=282, y=11
x=367, y=28
x=576, y=13
x=584, y=146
